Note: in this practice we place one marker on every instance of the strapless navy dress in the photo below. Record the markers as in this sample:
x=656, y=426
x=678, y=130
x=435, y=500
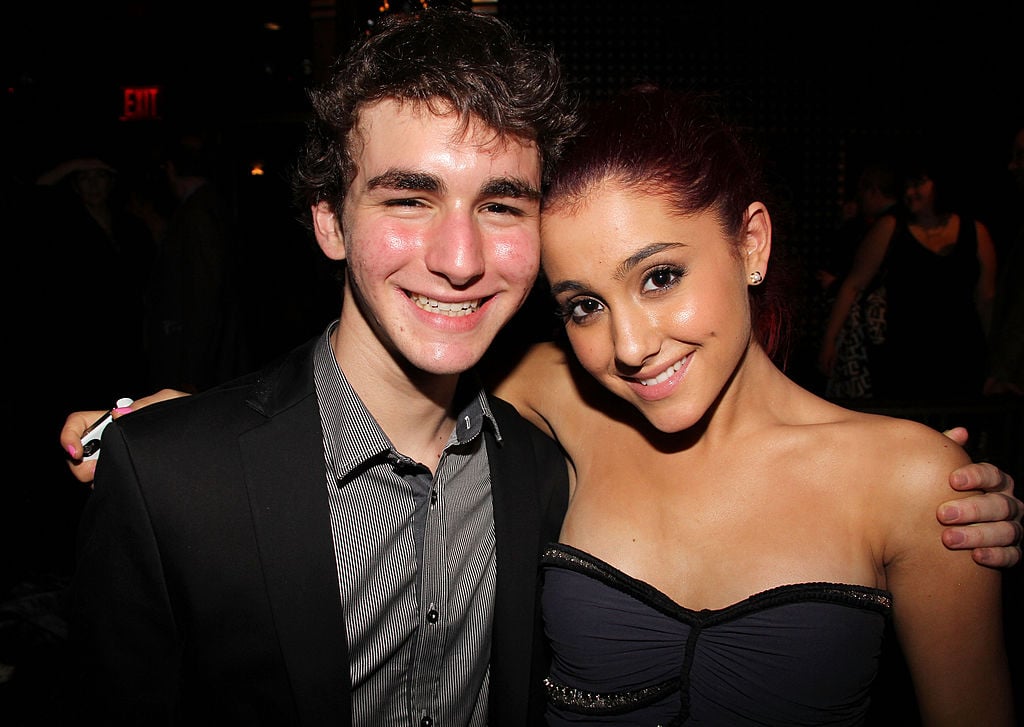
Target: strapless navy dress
x=626, y=654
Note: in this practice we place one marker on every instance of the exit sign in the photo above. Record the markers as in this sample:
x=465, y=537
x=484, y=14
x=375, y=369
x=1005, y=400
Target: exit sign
x=140, y=103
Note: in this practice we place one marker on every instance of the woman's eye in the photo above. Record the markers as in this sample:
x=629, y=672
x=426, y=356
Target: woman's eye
x=579, y=310
x=661, y=278
x=585, y=308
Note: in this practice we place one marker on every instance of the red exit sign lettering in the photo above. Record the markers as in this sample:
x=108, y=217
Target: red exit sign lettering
x=140, y=103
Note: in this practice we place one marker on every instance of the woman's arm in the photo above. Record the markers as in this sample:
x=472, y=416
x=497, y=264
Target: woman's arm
x=536, y=385
x=986, y=289
x=947, y=611
x=539, y=386
x=78, y=421
x=866, y=264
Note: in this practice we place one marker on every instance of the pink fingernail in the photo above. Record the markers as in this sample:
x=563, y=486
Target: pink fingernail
x=122, y=410
x=71, y=450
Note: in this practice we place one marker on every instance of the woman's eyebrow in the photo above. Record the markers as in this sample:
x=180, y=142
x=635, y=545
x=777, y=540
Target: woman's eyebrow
x=567, y=285
x=642, y=254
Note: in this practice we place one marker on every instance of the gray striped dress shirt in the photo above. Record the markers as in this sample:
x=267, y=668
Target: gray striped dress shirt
x=415, y=557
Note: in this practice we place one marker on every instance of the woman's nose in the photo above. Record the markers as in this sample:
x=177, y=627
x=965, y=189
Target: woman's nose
x=635, y=337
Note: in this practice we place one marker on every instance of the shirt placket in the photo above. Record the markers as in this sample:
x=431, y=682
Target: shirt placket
x=432, y=632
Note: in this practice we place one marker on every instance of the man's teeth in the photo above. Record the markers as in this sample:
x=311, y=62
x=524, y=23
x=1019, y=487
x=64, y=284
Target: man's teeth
x=663, y=376
x=446, y=309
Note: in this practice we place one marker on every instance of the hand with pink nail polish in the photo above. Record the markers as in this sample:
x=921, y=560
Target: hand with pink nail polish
x=78, y=422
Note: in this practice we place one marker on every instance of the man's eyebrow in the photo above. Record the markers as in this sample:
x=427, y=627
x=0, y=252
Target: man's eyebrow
x=510, y=187
x=407, y=180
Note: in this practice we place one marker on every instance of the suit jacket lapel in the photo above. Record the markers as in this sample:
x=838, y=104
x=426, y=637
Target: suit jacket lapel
x=517, y=525
x=285, y=476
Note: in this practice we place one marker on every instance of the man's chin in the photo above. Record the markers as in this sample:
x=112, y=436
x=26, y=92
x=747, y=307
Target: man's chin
x=448, y=360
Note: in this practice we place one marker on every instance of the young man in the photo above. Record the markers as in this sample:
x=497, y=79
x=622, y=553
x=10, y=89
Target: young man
x=352, y=535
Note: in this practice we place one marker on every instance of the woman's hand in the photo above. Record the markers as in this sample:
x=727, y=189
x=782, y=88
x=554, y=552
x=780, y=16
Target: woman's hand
x=78, y=421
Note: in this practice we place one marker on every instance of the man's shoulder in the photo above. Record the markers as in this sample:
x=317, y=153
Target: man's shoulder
x=204, y=416
x=520, y=432
x=508, y=418
x=241, y=402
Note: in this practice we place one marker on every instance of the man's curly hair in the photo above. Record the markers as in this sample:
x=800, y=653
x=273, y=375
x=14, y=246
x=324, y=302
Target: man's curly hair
x=446, y=59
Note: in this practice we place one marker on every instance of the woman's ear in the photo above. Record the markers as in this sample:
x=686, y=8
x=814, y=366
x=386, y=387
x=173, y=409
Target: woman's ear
x=328, y=231
x=757, y=239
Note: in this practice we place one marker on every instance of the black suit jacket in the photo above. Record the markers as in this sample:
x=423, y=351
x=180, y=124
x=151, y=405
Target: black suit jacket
x=206, y=589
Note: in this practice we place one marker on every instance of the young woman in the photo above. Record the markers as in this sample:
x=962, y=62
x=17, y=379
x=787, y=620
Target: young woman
x=734, y=544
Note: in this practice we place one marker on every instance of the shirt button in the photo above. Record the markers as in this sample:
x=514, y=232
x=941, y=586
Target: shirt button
x=432, y=617
x=433, y=497
x=426, y=721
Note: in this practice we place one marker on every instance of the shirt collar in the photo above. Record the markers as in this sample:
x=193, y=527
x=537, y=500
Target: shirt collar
x=352, y=437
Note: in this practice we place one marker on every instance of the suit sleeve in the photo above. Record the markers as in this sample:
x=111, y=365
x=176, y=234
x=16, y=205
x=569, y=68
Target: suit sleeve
x=125, y=644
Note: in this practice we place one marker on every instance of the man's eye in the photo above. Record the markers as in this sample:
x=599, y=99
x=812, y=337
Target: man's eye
x=403, y=202
x=502, y=209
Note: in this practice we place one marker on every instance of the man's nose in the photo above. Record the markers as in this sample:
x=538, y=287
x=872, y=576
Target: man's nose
x=456, y=250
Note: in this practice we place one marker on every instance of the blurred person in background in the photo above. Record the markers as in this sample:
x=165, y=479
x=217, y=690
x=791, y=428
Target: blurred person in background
x=939, y=276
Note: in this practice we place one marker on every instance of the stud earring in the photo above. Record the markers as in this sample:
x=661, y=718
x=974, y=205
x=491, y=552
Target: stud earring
x=756, y=277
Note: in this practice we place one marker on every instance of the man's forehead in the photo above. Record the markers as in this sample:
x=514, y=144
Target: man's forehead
x=433, y=120
x=437, y=111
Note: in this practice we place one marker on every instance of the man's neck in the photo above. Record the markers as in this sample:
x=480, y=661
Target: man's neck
x=414, y=408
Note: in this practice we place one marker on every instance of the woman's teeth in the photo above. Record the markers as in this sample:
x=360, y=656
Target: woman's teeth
x=664, y=375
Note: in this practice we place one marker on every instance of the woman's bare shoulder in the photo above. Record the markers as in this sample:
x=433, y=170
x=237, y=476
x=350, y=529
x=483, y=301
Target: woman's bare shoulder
x=537, y=381
x=909, y=453
x=540, y=358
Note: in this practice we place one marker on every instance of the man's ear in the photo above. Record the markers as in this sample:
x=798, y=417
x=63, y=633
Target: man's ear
x=757, y=239
x=328, y=231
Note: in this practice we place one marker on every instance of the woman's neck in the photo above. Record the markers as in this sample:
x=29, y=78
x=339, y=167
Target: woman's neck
x=930, y=219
